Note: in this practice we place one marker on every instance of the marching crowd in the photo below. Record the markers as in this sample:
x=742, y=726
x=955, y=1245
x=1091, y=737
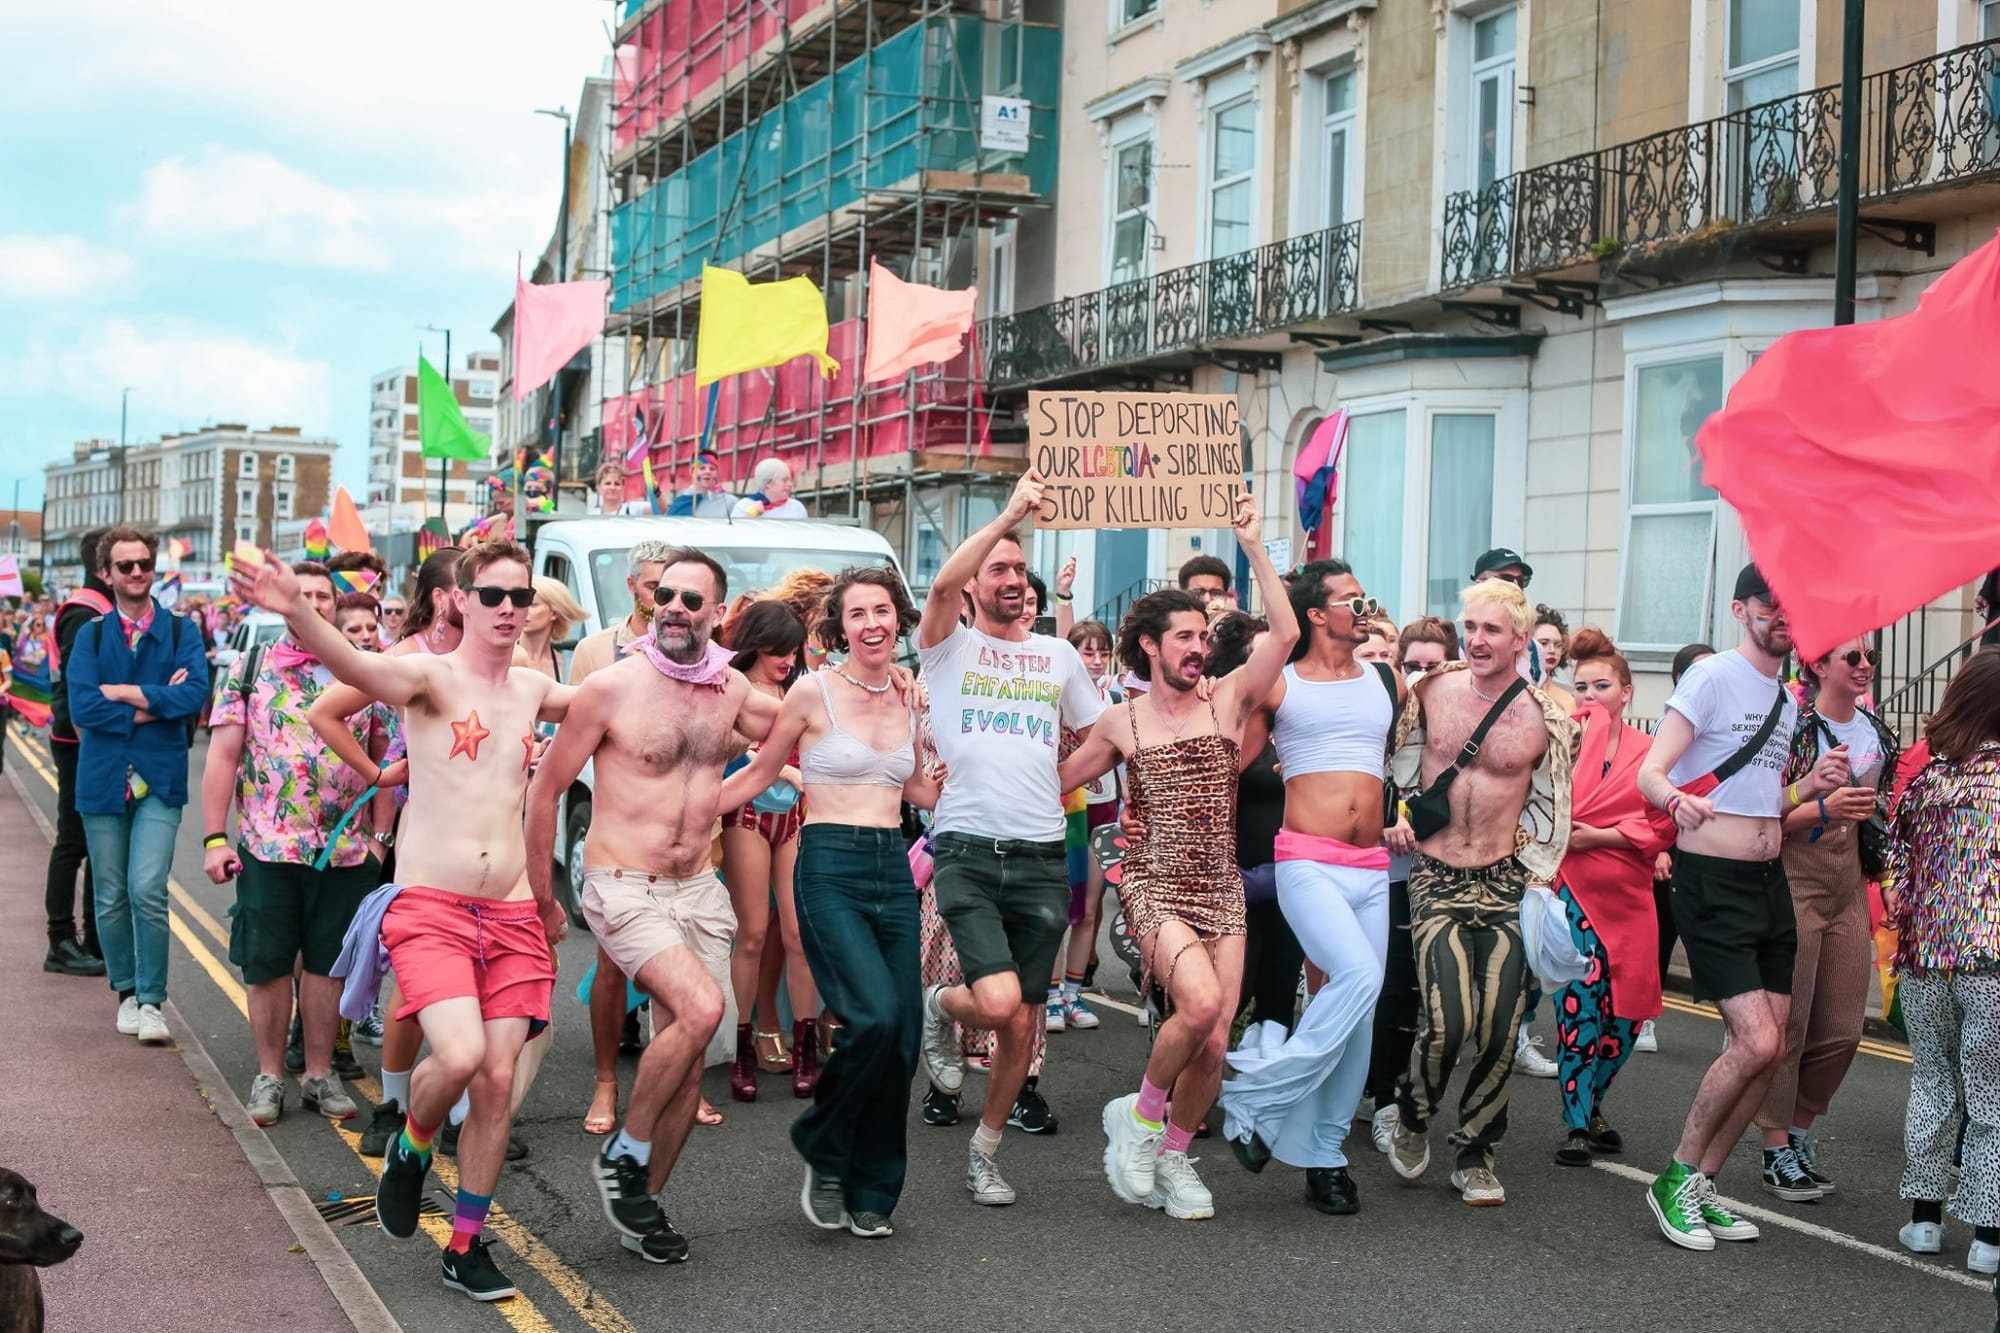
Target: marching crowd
x=1431, y=831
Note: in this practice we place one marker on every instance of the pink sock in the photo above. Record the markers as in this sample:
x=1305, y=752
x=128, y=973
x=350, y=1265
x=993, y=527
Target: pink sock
x=1152, y=1107
x=1177, y=1139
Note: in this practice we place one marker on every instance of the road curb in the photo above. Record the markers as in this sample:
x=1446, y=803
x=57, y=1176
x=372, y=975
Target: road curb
x=336, y=1267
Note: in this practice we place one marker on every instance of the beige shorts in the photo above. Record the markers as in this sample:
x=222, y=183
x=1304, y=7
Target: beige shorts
x=636, y=916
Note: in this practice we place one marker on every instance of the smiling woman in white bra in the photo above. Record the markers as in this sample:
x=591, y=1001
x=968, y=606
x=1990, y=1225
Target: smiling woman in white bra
x=855, y=730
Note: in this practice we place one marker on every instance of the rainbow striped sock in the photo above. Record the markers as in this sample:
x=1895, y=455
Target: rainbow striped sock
x=470, y=1218
x=417, y=1138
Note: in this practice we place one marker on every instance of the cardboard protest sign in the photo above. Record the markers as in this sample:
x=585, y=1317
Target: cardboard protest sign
x=1136, y=460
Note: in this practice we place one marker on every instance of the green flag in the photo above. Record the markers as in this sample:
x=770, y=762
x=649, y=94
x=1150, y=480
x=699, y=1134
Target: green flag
x=441, y=425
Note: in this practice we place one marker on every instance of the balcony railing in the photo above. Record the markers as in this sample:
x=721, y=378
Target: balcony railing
x=1925, y=124
x=1271, y=288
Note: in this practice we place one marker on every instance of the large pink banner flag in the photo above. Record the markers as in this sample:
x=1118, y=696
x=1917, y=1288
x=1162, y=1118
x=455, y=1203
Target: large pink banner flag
x=911, y=325
x=1865, y=459
x=552, y=323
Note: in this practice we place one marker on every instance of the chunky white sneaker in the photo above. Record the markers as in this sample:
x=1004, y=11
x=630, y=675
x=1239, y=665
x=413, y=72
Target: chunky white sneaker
x=1528, y=1057
x=1131, y=1150
x=943, y=1060
x=266, y=1102
x=153, y=1026
x=1983, y=1258
x=128, y=1017
x=1647, y=1042
x=1922, y=1237
x=1178, y=1190
x=1382, y=1128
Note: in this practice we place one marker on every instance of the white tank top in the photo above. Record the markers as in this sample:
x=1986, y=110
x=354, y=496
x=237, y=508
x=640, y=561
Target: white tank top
x=1334, y=726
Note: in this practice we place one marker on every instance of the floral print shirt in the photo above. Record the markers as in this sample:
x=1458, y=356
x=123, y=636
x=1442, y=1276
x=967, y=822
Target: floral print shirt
x=1944, y=865
x=291, y=789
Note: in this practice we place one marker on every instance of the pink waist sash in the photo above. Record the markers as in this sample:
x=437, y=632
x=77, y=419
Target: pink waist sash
x=1295, y=846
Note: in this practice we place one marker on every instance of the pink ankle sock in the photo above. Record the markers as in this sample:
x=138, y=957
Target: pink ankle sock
x=1152, y=1107
x=1177, y=1139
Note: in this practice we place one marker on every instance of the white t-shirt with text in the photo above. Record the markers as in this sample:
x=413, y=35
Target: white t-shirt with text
x=998, y=708
x=1727, y=700
x=1864, y=747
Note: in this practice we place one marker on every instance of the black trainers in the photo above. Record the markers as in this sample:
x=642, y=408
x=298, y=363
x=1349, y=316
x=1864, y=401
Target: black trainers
x=69, y=958
x=825, y=1201
x=475, y=1274
x=1254, y=1155
x=621, y=1187
x=1785, y=1178
x=869, y=1226
x=295, y=1048
x=383, y=1127
x=344, y=1062
x=1031, y=1115
x=1331, y=1190
x=400, y=1194
x=629, y=1042
x=940, y=1107
x=662, y=1245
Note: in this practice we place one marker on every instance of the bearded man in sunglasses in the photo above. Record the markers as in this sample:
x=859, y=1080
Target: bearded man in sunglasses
x=659, y=725
x=470, y=934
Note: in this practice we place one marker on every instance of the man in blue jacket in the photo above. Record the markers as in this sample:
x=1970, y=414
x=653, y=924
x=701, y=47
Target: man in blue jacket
x=134, y=677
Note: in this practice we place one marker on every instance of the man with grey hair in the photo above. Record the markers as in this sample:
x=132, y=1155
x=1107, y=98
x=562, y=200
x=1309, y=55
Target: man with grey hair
x=771, y=493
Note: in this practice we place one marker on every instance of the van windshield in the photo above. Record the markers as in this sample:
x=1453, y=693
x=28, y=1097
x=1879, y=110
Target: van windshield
x=750, y=571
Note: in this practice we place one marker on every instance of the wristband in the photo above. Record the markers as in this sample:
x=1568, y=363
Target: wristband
x=1793, y=792
x=213, y=841
x=1673, y=804
x=1822, y=810
x=1060, y=597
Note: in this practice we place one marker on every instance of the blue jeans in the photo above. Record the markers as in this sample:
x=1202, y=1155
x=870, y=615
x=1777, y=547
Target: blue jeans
x=131, y=855
x=858, y=926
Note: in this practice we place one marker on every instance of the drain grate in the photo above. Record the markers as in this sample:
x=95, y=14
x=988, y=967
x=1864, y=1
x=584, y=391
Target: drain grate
x=359, y=1210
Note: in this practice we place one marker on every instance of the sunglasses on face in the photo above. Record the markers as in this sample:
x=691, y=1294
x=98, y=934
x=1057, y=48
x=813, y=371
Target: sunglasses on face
x=1358, y=607
x=490, y=596
x=392, y=611
x=1856, y=657
x=664, y=596
x=133, y=566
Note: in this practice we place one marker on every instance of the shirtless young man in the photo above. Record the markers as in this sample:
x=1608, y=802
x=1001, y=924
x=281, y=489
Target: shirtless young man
x=472, y=946
x=658, y=724
x=1509, y=825
x=1182, y=891
x=1731, y=900
x=1293, y=1095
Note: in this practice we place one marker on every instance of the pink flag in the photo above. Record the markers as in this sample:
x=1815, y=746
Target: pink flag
x=10, y=577
x=1314, y=471
x=1865, y=460
x=912, y=325
x=552, y=323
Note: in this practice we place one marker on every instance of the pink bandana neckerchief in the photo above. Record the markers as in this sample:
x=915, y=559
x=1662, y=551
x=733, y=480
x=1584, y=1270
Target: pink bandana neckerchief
x=284, y=655
x=711, y=669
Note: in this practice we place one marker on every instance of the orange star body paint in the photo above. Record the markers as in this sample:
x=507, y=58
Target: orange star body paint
x=465, y=737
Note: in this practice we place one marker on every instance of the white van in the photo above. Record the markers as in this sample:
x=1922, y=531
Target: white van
x=592, y=557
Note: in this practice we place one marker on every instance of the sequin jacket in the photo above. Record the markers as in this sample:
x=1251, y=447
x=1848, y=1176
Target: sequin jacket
x=1944, y=864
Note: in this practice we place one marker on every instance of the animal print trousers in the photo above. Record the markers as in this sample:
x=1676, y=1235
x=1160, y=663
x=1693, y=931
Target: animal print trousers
x=1954, y=1027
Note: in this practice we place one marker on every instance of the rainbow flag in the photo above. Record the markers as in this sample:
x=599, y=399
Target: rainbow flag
x=353, y=580
x=432, y=537
x=318, y=545
x=1076, y=836
x=28, y=682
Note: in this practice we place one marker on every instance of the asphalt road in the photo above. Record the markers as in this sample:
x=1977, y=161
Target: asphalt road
x=1572, y=1249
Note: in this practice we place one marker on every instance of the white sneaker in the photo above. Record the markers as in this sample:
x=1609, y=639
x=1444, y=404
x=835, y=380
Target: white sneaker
x=1922, y=1237
x=1478, y=1186
x=1078, y=1014
x=128, y=1017
x=943, y=1060
x=1131, y=1150
x=982, y=1177
x=152, y=1026
x=1382, y=1128
x=1647, y=1042
x=1983, y=1258
x=1528, y=1057
x=1178, y=1190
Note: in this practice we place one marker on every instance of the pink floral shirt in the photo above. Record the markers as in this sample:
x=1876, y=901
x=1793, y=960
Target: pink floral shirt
x=291, y=789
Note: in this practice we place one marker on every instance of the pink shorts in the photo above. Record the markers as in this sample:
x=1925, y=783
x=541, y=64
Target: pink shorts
x=444, y=946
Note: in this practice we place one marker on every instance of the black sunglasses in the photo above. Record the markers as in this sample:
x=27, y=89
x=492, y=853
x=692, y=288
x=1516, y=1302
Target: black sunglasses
x=490, y=596
x=1518, y=580
x=1855, y=657
x=394, y=611
x=133, y=566
x=664, y=596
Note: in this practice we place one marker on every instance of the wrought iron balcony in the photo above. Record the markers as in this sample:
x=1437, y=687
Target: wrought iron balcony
x=1923, y=125
x=1266, y=290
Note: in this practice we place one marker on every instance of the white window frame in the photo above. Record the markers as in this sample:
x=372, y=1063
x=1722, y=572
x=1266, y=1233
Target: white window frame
x=246, y=465
x=1347, y=123
x=1478, y=72
x=1121, y=16
x=1002, y=267
x=1734, y=75
x=1421, y=406
x=1228, y=93
x=281, y=501
x=1126, y=133
x=246, y=532
x=284, y=467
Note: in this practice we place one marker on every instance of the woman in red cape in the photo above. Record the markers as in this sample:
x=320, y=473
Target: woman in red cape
x=1606, y=887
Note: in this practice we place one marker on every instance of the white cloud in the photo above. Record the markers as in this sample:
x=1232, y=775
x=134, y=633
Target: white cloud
x=36, y=270
x=281, y=214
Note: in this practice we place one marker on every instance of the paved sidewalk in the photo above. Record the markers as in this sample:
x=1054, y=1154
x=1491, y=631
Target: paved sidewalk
x=179, y=1232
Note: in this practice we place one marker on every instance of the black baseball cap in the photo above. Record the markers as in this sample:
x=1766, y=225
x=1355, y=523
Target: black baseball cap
x=1499, y=558
x=1750, y=583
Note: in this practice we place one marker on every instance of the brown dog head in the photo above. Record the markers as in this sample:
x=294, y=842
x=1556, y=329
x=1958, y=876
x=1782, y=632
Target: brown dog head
x=28, y=1235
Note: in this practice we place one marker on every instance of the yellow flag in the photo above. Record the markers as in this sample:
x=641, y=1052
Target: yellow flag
x=747, y=326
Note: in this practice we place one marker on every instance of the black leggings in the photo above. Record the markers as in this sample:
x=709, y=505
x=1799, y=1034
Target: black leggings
x=1272, y=958
x=1663, y=908
x=1396, y=1010
x=66, y=857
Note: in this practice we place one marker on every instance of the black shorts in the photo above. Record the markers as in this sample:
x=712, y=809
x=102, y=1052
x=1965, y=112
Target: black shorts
x=1735, y=921
x=1006, y=903
x=288, y=912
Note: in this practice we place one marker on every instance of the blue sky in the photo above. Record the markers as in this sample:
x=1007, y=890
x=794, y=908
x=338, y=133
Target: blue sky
x=244, y=211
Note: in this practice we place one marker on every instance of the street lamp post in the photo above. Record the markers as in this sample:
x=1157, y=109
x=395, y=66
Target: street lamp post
x=562, y=275
x=1847, y=206
x=444, y=464
x=124, y=402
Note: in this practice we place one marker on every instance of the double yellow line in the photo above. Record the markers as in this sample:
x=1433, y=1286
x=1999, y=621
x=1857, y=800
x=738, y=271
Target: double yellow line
x=1881, y=1050
x=520, y=1313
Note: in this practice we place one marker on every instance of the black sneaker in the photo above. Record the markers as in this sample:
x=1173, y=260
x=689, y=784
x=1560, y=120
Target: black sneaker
x=662, y=1245
x=383, y=1127
x=628, y=1037
x=475, y=1274
x=1785, y=1178
x=825, y=1201
x=400, y=1194
x=71, y=960
x=1031, y=1115
x=295, y=1048
x=621, y=1186
x=1331, y=1190
x=1254, y=1155
x=344, y=1062
x=940, y=1107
